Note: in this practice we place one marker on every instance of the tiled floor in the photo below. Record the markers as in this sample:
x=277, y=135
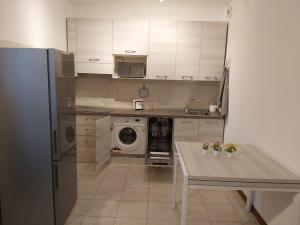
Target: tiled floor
x=126, y=192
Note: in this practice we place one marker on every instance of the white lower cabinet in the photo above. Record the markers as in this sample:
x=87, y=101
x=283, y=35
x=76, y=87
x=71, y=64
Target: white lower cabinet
x=204, y=130
x=211, y=130
x=103, y=140
x=86, y=138
x=186, y=129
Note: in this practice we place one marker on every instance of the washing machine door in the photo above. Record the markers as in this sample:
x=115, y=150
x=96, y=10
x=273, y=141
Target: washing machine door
x=127, y=139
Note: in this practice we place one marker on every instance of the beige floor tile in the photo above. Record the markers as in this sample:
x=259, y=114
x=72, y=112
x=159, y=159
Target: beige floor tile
x=198, y=223
x=225, y=213
x=121, y=160
x=135, y=194
x=162, y=222
x=74, y=220
x=81, y=207
x=160, y=195
x=196, y=212
x=138, y=162
x=131, y=209
x=113, y=181
x=160, y=181
x=103, y=208
x=137, y=182
x=225, y=223
x=130, y=221
x=98, y=221
x=90, y=180
x=159, y=210
x=234, y=198
x=160, y=170
x=117, y=171
x=138, y=171
x=87, y=191
x=194, y=196
x=214, y=197
x=244, y=215
x=109, y=193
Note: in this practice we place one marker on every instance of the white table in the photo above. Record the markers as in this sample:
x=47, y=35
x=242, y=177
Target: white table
x=250, y=169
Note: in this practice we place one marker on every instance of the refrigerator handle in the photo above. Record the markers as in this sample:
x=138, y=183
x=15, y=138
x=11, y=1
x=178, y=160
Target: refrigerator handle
x=1, y=219
x=54, y=142
x=56, y=176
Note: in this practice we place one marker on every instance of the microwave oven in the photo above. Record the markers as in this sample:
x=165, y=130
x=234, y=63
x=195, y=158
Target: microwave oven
x=131, y=69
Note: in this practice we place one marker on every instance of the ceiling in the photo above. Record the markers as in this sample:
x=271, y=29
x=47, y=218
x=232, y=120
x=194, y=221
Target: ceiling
x=182, y=3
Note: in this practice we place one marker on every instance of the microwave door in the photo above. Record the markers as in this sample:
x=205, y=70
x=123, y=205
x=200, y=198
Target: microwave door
x=137, y=70
x=123, y=69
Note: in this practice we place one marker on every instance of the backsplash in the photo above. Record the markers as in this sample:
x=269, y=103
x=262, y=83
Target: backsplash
x=104, y=91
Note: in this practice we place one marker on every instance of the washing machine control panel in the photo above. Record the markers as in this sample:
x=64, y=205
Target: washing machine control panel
x=132, y=121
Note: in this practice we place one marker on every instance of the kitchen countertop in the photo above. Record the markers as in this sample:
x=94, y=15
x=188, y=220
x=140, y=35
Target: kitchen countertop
x=179, y=113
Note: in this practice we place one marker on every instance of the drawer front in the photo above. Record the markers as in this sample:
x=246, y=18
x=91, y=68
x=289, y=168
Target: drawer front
x=86, y=131
x=86, y=149
x=211, y=130
x=87, y=120
x=186, y=128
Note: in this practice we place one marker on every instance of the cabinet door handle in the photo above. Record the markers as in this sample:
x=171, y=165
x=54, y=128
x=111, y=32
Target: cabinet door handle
x=164, y=77
x=186, y=76
x=94, y=59
x=130, y=51
x=187, y=121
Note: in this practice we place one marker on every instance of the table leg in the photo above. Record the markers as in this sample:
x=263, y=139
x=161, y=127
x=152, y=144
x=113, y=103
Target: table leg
x=174, y=182
x=250, y=201
x=184, y=200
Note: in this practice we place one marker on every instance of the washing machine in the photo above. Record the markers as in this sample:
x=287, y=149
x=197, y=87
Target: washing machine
x=129, y=135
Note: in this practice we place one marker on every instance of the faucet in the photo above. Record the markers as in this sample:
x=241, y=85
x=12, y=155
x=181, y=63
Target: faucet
x=187, y=105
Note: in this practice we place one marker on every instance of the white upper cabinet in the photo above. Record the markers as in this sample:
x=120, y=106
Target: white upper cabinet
x=130, y=37
x=213, y=49
x=188, y=50
x=162, y=50
x=94, y=46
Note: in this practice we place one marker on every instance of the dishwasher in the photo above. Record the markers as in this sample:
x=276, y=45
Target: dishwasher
x=160, y=139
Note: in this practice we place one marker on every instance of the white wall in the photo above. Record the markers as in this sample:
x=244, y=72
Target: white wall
x=264, y=45
x=180, y=11
x=35, y=23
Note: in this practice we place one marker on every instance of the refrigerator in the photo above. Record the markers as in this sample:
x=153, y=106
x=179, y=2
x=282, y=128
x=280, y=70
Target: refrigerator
x=38, y=175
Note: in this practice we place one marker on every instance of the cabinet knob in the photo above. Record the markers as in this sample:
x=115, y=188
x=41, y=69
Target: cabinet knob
x=94, y=59
x=163, y=77
x=187, y=77
x=130, y=51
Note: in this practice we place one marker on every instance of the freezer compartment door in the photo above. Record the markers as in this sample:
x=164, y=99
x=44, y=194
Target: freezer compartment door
x=65, y=186
x=103, y=140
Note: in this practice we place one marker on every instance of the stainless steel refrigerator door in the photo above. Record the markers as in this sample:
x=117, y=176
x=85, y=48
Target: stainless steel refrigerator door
x=26, y=188
x=62, y=99
x=65, y=186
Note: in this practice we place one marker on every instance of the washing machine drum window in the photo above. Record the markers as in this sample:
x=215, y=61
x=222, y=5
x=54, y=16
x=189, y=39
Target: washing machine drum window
x=127, y=136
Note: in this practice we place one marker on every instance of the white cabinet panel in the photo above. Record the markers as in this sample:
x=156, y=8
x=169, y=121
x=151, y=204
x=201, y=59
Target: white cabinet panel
x=162, y=50
x=103, y=140
x=188, y=50
x=186, y=128
x=94, y=41
x=211, y=130
x=213, y=49
x=130, y=37
x=94, y=68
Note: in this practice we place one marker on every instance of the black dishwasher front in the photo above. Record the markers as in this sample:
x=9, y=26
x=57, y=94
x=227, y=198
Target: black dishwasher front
x=160, y=139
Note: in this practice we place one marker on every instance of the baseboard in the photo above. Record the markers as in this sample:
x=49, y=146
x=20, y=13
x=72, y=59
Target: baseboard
x=259, y=218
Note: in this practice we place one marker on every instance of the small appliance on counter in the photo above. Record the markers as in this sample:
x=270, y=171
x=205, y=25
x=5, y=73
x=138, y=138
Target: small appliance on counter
x=159, y=150
x=138, y=104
